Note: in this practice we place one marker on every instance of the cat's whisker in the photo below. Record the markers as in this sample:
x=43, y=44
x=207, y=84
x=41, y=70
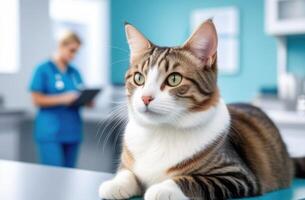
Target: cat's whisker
x=118, y=48
x=105, y=123
x=117, y=109
x=119, y=61
x=119, y=134
x=119, y=102
x=113, y=115
x=117, y=123
x=117, y=113
x=107, y=136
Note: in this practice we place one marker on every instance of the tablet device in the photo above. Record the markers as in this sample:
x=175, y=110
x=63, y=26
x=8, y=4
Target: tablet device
x=86, y=96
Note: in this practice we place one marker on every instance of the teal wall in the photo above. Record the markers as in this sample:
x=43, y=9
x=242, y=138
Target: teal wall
x=166, y=22
x=296, y=54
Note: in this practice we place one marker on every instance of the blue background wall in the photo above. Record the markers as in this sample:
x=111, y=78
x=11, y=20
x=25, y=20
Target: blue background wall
x=296, y=54
x=166, y=22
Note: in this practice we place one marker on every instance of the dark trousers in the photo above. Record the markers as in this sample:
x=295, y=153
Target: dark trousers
x=58, y=154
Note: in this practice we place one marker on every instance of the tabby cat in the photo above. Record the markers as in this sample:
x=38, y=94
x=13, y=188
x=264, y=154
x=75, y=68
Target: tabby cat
x=182, y=141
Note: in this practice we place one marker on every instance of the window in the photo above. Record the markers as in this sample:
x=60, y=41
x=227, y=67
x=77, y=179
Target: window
x=89, y=19
x=9, y=39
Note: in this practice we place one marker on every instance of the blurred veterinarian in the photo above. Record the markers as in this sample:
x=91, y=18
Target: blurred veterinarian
x=54, y=86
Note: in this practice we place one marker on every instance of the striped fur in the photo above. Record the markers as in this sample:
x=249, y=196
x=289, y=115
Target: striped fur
x=187, y=143
x=250, y=161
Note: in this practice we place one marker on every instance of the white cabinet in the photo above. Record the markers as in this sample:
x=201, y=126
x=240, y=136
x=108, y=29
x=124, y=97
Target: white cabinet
x=284, y=17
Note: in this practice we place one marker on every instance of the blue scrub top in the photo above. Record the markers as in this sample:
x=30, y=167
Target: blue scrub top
x=57, y=123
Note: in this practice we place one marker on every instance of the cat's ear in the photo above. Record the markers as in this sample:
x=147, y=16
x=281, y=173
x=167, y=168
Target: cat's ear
x=203, y=42
x=136, y=41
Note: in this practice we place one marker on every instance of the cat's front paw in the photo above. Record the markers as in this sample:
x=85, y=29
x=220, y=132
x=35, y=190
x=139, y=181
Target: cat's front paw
x=167, y=190
x=114, y=190
x=123, y=186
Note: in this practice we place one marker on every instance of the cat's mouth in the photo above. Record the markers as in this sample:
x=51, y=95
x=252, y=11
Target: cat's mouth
x=148, y=111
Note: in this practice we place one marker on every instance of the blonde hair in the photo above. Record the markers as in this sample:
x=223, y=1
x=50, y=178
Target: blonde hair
x=67, y=36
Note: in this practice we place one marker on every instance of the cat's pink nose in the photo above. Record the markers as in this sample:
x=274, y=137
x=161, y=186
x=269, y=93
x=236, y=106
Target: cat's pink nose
x=147, y=99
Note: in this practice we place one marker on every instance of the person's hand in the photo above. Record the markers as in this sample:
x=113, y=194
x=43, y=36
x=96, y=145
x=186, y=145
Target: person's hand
x=69, y=97
x=90, y=104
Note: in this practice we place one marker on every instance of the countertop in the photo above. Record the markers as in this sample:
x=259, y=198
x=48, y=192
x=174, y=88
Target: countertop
x=22, y=181
x=9, y=111
x=278, y=112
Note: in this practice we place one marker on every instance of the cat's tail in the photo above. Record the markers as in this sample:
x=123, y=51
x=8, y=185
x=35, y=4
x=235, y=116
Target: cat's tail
x=299, y=164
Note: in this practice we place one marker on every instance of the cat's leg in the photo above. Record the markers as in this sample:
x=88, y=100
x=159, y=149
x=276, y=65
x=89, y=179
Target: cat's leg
x=218, y=186
x=208, y=187
x=123, y=186
x=166, y=190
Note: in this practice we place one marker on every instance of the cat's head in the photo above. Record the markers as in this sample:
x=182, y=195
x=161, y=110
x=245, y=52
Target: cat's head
x=166, y=84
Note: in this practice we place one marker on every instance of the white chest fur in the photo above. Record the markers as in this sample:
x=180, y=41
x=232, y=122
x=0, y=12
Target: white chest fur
x=158, y=149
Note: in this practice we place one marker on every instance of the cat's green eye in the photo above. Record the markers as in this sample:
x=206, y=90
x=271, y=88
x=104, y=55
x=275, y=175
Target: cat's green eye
x=139, y=79
x=174, y=79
